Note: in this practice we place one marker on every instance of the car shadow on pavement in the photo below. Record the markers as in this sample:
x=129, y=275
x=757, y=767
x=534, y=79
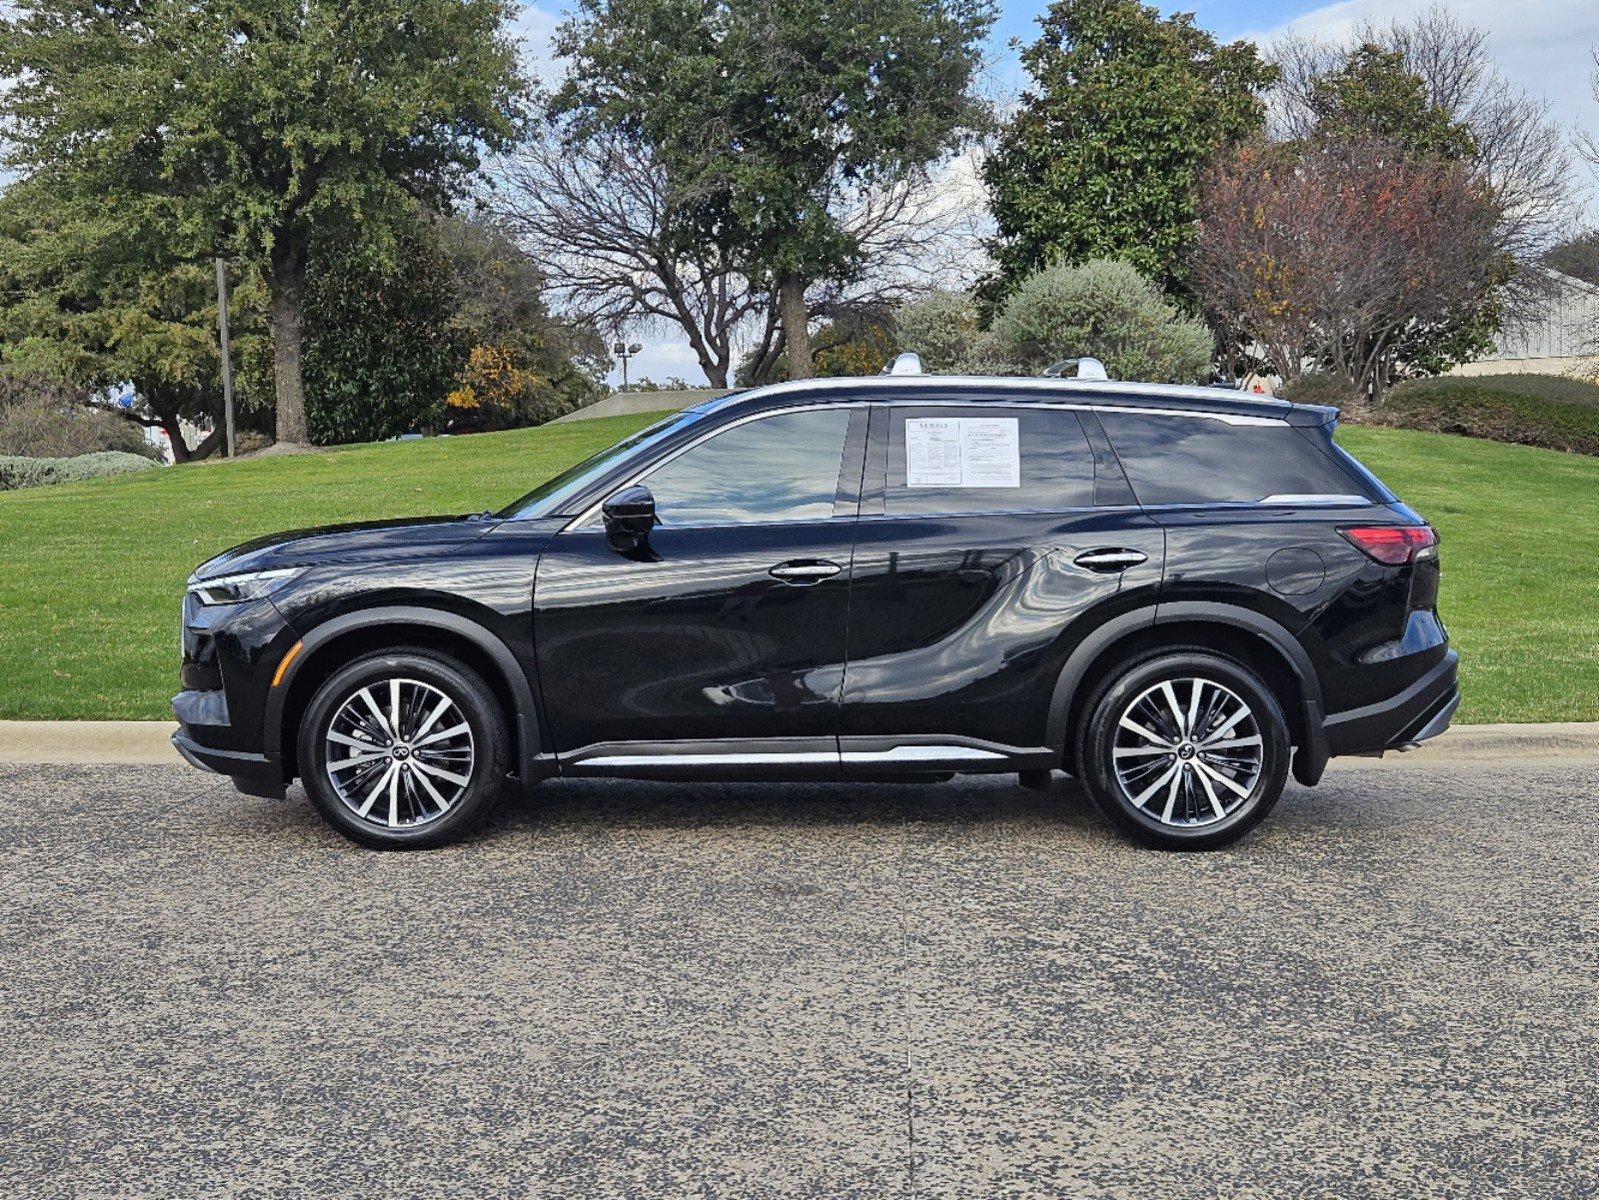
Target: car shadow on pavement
x=971, y=800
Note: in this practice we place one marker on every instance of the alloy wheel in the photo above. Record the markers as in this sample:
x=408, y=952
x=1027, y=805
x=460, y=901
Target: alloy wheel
x=399, y=753
x=1188, y=752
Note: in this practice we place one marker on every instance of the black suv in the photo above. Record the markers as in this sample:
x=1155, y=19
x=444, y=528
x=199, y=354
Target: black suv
x=1176, y=594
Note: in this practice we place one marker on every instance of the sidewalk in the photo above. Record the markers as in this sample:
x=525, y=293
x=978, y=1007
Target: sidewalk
x=150, y=742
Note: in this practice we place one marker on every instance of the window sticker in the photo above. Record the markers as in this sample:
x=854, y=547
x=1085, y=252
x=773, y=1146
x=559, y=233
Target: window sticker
x=962, y=452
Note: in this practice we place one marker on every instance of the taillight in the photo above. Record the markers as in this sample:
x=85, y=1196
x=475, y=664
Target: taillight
x=1394, y=545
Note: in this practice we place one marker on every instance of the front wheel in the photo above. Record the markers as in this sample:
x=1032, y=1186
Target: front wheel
x=403, y=750
x=1186, y=750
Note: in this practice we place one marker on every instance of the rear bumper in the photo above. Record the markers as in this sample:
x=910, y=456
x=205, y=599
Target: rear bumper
x=1423, y=710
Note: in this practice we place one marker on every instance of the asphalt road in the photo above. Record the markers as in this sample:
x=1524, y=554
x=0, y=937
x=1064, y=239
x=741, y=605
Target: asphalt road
x=970, y=990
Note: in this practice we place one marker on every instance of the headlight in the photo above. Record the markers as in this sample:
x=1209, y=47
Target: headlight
x=236, y=589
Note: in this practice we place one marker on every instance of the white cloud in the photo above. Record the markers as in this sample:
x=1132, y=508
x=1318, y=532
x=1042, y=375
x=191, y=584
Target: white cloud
x=1544, y=46
x=536, y=28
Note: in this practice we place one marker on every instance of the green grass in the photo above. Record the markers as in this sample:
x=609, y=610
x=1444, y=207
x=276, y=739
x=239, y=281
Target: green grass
x=91, y=574
x=1550, y=411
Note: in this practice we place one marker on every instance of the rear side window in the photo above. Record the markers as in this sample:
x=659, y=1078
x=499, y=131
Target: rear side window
x=1196, y=460
x=947, y=460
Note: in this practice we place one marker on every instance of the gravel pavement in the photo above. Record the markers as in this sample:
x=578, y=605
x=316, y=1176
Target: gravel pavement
x=645, y=990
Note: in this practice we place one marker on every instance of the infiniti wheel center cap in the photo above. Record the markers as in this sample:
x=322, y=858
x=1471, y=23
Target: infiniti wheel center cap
x=1185, y=751
x=400, y=753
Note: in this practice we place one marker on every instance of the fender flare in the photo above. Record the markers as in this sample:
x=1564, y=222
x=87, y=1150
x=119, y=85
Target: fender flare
x=1312, y=759
x=526, y=732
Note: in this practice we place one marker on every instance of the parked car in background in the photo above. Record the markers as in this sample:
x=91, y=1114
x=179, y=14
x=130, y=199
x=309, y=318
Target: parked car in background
x=1179, y=595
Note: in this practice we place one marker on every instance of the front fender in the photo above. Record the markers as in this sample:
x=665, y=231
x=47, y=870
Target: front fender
x=526, y=710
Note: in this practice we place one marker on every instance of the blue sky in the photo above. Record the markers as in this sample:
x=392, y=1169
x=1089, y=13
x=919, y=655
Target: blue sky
x=1543, y=46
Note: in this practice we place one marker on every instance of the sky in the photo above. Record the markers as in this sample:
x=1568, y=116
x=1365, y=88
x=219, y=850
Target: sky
x=1544, y=46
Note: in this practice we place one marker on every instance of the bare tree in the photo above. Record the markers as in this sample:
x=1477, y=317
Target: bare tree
x=1346, y=254
x=610, y=227
x=605, y=222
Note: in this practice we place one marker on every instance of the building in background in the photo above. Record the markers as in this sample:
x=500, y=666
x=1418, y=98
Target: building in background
x=1563, y=341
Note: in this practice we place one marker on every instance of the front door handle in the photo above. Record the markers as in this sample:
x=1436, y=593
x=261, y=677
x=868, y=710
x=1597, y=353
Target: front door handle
x=802, y=571
x=1110, y=560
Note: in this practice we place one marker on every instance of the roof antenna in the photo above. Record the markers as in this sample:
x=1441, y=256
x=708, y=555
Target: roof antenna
x=1085, y=368
x=908, y=363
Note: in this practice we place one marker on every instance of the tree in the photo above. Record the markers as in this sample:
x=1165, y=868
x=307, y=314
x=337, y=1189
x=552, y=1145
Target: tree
x=246, y=127
x=769, y=118
x=1355, y=255
x=525, y=365
x=1441, y=77
x=1577, y=256
x=608, y=217
x=450, y=330
x=86, y=300
x=1125, y=109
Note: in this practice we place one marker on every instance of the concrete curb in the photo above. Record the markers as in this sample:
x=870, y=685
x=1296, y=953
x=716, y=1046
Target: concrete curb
x=150, y=742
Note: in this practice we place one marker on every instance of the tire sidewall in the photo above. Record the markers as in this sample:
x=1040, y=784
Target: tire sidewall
x=477, y=704
x=1099, y=775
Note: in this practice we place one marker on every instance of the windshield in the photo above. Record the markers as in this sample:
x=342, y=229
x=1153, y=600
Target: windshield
x=552, y=497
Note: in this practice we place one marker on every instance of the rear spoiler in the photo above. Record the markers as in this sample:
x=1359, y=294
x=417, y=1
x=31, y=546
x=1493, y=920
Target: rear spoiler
x=1311, y=414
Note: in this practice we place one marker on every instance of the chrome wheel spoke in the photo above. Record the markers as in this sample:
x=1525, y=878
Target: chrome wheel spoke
x=399, y=753
x=1189, y=749
x=1163, y=743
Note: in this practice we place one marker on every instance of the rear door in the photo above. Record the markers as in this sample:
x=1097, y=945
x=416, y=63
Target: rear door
x=982, y=541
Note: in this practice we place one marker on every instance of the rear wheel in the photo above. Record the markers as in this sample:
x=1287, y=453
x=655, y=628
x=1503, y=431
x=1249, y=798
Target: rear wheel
x=403, y=750
x=1185, y=750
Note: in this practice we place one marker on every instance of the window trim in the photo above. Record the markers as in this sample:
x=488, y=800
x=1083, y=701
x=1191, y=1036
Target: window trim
x=639, y=476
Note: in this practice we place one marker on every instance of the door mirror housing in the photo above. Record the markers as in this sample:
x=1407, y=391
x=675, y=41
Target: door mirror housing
x=629, y=516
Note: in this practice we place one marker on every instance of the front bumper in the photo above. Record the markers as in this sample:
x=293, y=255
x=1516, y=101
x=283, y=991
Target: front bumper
x=252, y=774
x=1423, y=710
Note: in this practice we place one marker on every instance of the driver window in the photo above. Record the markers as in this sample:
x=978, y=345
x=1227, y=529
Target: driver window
x=779, y=468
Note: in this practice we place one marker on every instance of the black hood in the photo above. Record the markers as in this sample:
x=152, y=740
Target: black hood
x=360, y=541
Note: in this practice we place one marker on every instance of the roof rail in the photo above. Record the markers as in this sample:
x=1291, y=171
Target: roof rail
x=1085, y=368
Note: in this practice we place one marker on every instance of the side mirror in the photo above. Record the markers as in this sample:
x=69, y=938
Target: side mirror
x=629, y=516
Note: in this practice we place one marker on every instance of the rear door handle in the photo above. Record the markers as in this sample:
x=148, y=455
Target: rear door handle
x=1109, y=561
x=803, y=571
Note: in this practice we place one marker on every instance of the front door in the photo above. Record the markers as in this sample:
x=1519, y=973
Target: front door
x=723, y=640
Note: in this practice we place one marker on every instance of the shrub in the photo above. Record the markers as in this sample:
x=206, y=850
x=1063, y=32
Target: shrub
x=942, y=328
x=42, y=420
x=1545, y=411
x=1323, y=387
x=1104, y=309
x=17, y=471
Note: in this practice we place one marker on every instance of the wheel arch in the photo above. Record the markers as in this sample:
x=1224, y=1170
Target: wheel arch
x=408, y=627
x=1261, y=643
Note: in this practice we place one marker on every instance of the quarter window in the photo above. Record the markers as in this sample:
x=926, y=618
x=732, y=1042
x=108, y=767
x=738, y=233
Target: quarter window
x=1196, y=460
x=780, y=468
x=988, y=458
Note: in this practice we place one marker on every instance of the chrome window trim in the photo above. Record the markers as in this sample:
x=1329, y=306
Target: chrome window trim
x=1326, y=499
x=588, y=514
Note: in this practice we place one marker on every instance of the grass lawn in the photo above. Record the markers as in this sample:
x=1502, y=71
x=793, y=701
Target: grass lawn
x=91, y=574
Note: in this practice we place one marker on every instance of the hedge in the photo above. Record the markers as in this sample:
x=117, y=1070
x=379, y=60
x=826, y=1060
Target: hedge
x=17, y=471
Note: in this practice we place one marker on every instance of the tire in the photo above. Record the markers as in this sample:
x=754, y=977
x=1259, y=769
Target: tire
x=1171, y=787
x=400, y=799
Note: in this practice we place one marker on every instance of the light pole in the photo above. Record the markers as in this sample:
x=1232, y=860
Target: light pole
x=624, y=351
